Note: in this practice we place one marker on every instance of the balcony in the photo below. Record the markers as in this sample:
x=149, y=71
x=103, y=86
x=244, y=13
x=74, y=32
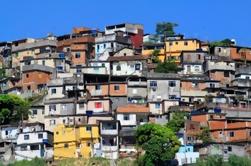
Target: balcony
x=39, y=43
x=109, y=131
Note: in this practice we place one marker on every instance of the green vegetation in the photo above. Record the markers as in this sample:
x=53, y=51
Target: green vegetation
x=12, y=108
x=225, y=42
x=221, y=43
x=205, y=135
x=34, y=162
x=166, y=28
x=167, y=67
x=2, y=73
x=177, y=121
x=154, y=56
x=159, y=142
x=97, y=161
x=217, y=160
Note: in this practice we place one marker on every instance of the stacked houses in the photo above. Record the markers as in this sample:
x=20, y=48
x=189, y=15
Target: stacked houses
x=95, y=88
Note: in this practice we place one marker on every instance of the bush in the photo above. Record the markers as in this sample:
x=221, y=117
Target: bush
x=33, y=162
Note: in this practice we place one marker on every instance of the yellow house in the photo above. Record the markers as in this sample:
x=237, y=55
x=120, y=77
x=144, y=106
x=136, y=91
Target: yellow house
x=176, y=46
x=148, y=52
x=74, y=142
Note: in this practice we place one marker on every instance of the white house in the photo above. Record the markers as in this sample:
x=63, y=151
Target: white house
x=132, y=115
x=128, y=65
x=35, y=142
x=107, y=44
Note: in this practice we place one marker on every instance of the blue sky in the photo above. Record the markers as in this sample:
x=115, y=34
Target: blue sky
x=204, y=19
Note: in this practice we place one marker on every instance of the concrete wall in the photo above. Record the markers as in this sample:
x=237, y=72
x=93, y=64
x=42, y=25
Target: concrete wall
x=127, y=68
x=163, y=91
x=132, y=119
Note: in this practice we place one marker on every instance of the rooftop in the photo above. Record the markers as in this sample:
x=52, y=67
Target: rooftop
x=133, y=108
x=127, y=58
x=37, y=67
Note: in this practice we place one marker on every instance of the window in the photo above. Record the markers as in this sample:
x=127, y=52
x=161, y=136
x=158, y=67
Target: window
x=52, y=122
x=137, y=66
x=23, y=147
x=153, y=83
x=195, y=84
x=199, y=56
x=34, y=112
x=212, y=85
x=116, y=87
x=27, y=75
x=226, y=74
x=126, y=117
x=170, y=43
x=118, y=68
x=52, y=108
x=77, y=55
x=104, y=45
x=172, y=83
x=88, y=144
x=231, y=134
x=219, y=49
x=26, y=137
x=185, y=43
x=43, y=62
x=79, y=70
x=34, y=147
x=40, y=135
x=157, y=105
x=98, y=47
x=66, y=145
x=97, y=87
x=176, y=43
x=53, y=91
x=88, y=128
x=29, y=87
x=103, y=65
x=64, y=121
x=98, y=105
x=229, y=148
x=111, y=44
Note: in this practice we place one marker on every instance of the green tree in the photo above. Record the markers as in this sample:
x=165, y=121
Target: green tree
x=221, y=43
x=154, y=56
x=13, y=108
x=205, y=135
x=159, y=142
x=177, y=121
x=167, y=67
x=166, y=28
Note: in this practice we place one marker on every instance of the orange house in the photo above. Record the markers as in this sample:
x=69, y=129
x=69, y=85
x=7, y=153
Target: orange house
x=78, y=45
x=222, y=129
x=35, y=77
